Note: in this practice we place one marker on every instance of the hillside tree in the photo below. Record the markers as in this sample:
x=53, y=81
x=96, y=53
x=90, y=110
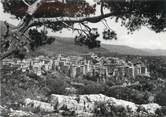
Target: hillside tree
x=60, y=14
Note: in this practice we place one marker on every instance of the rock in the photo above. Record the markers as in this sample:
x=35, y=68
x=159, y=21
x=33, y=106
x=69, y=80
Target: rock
x=113, y=101
x=64, y=104
x=42, y=106
x=89, y=103
x=13, y=113
x=68, y=104
x=94, y=98
x=19, y=113
x=85, y=114
x=56, y=100
x=1, y=109
x=151, y=108
x=72, y=103
x=125, y=104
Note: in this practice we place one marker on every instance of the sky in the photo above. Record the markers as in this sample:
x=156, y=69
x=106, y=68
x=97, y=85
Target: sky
x=143, y=38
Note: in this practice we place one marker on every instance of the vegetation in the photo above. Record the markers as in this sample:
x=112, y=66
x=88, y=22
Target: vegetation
x=28, y=85
x=160, y=98
x=107, y=109
x=89, y=87
x=19, y=87
x=58, y=15
x=39, y=38
x=56, y=85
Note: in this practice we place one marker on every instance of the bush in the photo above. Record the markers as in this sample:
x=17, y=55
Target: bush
x=56, y=85
x=90, y=87
x=128, y=94
x=110, y=83
x=18, y=87
x=93, y=88
x=161, y=112
x=91, y=78
x=161, y=97
x=107, y=109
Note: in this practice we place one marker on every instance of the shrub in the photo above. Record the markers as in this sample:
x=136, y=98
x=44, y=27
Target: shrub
x=90, y=87
x=56, y=85
x=107, y=109
x=18, y=87
x=91, y=77
x=161, y=97
x=93, y=88
x=161, y=112
x=128, y=94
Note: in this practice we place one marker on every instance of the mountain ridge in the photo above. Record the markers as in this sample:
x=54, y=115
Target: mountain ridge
x=127, y=50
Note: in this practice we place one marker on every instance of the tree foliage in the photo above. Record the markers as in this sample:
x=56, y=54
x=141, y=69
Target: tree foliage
x=135, y=14
x=59, y=14
x=39, y=38
x=50, y=9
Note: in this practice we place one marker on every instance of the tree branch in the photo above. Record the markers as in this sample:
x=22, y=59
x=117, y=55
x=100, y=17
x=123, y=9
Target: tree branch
x=8, y=53
x=91, y=19
x=26, y=3
x=33, y=8
x=28, y=17
x=13, y=48
x=89, y=29
x=101, y=8
x=73, y=27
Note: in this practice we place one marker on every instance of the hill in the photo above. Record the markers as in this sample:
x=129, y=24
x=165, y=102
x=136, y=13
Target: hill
x=66, y=46
x=126, y=50
x=158, y=52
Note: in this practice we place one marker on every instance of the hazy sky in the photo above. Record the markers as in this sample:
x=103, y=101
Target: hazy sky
x=144, y=38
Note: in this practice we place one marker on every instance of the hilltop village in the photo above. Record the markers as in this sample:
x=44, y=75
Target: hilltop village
x=90, y=64
x=86, y=84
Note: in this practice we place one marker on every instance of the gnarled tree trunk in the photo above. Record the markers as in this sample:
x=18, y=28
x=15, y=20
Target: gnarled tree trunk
x=22, y=27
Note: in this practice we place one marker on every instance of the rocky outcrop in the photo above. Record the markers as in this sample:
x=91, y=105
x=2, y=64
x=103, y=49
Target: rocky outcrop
x=20, y=113
x=79, y=104
x=1, y=109
x=88, y=103
x=4, y=112
x=125, y=104
x=38, y=105
x=151, y=108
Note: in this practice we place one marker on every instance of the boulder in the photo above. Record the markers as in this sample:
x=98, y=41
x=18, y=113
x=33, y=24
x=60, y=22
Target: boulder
x=1, y=109
x=68, y=104
x=88, y=102
x=94, y=98
x=19, y=113
x=78, y=104
x=104, y=99
x=151, y=108
x=64, y=104
x=125, y=104
x=38, y=105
